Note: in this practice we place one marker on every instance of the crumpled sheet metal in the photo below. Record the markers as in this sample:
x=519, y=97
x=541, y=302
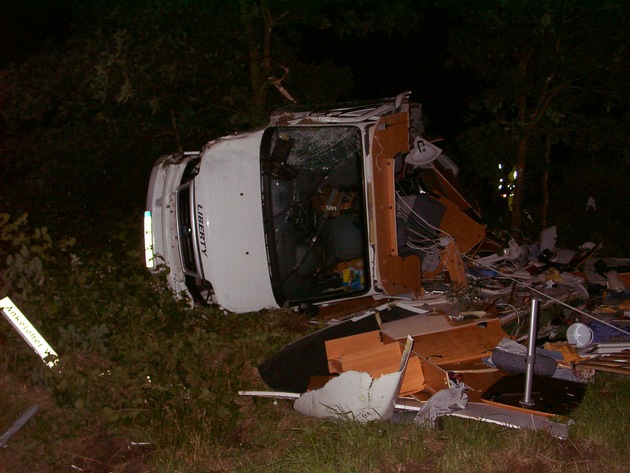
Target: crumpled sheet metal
x=353, y=394
x=442, y=403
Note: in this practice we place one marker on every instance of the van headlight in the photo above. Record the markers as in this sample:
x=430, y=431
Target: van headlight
x=149, y=257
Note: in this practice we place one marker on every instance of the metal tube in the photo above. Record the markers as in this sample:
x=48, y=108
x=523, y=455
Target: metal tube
x=18, y=424
x=531, y=353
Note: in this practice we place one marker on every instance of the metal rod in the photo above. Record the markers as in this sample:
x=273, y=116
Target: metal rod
x=18, y=424
x=531, y=353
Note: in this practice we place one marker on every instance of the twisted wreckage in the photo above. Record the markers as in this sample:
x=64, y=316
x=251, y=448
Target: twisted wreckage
x=423, y=357
x=352, y=214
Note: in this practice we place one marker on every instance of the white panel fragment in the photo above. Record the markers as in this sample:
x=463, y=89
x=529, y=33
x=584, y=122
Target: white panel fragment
x=28, y=332
x=356, y=395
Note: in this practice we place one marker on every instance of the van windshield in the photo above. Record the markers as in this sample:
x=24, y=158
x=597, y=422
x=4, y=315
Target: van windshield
x=314, y=211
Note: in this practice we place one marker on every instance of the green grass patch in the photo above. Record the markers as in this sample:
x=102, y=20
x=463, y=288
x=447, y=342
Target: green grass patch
x=140, y=366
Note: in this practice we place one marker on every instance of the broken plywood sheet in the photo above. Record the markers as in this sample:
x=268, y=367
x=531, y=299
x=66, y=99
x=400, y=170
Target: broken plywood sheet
x=362, y=342
x=618, y=363
x=381, y=360
x=416, y=325
x=469, y=342
x=606, y=348
x=366, y=352
x=291, y=368
x=357, y=395
x=421, y=325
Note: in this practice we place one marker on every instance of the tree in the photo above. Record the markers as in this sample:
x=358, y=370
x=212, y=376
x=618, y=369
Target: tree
x=543, y=68
x=138, y=79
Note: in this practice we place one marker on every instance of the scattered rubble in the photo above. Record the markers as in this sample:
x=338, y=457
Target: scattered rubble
x=463, y=362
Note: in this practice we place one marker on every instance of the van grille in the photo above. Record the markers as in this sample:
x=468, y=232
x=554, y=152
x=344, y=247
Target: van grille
x=187, y=231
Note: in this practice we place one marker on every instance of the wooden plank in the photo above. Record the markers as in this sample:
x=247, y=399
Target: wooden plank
x=416, y=325
x=465, y=230
x=345, y=307
x=455, y=265
x=609, y=366
x=385, y=359
x=461, y=344
x=413, y=379
x=376, y=360
x=338, y=348
x=366, y=352
x=291, y=368
x=435, y=378
x=479, y=382
x=396, y=274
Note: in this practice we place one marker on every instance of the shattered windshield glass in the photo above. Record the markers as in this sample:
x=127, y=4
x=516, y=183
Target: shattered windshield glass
x=313, y=205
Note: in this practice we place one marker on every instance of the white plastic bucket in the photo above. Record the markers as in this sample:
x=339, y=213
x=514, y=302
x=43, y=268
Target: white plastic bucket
x=579, y=334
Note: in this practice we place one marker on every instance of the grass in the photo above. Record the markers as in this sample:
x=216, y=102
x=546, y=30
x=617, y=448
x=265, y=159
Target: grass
x=150, y=384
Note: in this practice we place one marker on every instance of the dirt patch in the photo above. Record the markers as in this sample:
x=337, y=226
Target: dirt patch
x=105, y=454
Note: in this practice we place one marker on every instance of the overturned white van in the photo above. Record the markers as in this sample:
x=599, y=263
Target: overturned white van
x=319, y=206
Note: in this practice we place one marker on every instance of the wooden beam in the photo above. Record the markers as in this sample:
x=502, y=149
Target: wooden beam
x=396, y=274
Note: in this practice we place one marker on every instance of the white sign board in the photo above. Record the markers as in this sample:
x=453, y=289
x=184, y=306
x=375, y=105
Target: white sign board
x=28, y=332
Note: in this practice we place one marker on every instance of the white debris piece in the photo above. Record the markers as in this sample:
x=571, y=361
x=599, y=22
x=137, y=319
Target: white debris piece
x=356, y=395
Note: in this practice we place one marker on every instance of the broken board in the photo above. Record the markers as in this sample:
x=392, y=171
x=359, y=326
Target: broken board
x=291, y=368
x=366, y=352
x=470, y=342
x=417, y=325
x=357, y=395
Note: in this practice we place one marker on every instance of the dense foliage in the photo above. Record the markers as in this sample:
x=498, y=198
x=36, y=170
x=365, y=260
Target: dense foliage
x=133, y=360
x=552, y=104
x=86, y=116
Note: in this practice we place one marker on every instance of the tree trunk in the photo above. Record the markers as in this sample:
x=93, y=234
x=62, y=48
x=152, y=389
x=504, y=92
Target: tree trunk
x=259, y=50
x=519, y=187
x=545, y=203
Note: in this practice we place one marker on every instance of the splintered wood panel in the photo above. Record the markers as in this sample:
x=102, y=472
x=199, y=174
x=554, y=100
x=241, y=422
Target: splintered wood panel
x=339, y=347
x=385, y=359
x=414, y=379
x=379, y=360
x=435, y=378
x=397, y=275
x=465, y=231
x=477, y=382
x=416, y=325
x=466, y=343
x=367, y=352
x=346, y=307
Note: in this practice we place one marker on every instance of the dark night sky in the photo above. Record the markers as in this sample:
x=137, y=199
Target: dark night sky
x=385, y=66
x=26, y=25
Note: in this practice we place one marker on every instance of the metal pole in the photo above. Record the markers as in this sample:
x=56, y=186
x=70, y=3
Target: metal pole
x=531, y=353
x=18, y=424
